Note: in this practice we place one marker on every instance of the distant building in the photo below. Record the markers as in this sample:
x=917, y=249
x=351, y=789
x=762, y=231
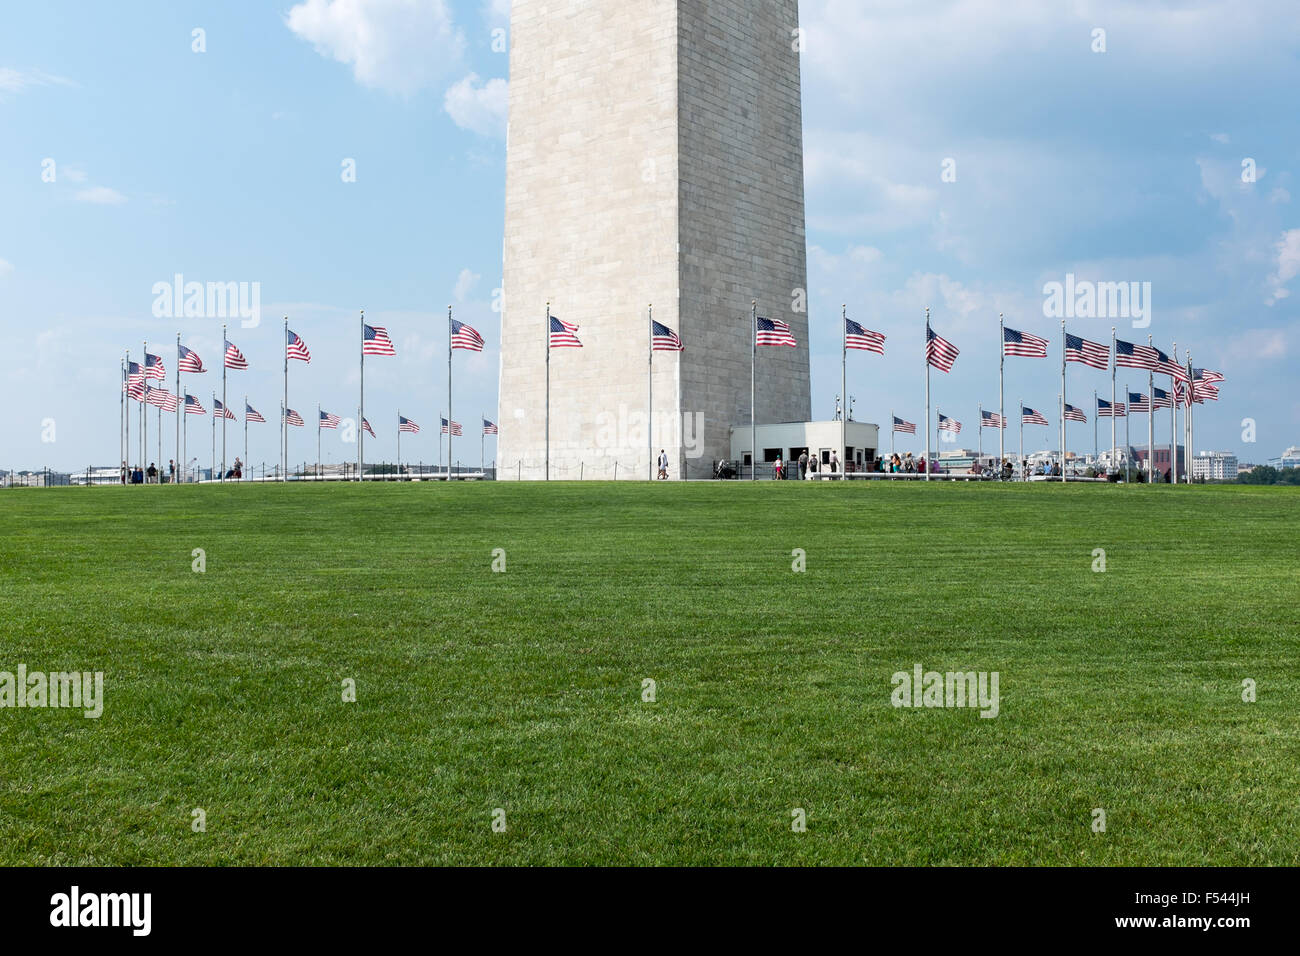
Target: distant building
x=1214, y=466
x=1244, y=467
x=1288, y=459
x=1139, y=455
x=788, y=440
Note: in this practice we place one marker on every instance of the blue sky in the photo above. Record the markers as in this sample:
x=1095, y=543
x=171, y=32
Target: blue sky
x=226, y=165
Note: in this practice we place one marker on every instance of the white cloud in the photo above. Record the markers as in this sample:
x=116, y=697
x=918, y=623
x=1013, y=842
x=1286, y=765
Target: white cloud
x=1221, y=138
x=1279, y=196
x=15, y=81
x=1288, y=265
x=74, y=174
x=465, y=283
x=498, y=11
x=101, y=195
x=481, y=109
x=400, y=46
x=6, y=267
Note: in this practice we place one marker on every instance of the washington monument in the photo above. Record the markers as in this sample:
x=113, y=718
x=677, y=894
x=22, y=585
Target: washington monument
x=654, y=158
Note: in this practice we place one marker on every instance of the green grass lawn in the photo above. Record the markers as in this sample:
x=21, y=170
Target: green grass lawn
x=522, y=690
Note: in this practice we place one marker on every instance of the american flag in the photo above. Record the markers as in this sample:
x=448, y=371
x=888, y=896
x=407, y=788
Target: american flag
x=1162, y=399
x=161, y=398
x=563, y=335
x=251, y=414
x=856, y=337
x=774, y=332
x=221, y=410
x=1022, y=343
x=193, y=406
x=992, y=420
x=464, y=337
x=947, y=424
x=1092, y=354
x=1167, y=366
x=1029, y=416
x=904, y=428
x=295, y=347
x=153, y=367
x=234, y=358
x=1203, y=390
x=188, y=360
x=293, y=418
x=375, y=341
x=1205, y=375
x=366, y=425
x=328, y=421
x=455, y=427
x=404, y=424
x=1073, y=414
x=1106, y=410
x=1128, y=355
x=664, y=339
x=134, y=386
x=939, y=352
x=489, y=428
x=1139, y=403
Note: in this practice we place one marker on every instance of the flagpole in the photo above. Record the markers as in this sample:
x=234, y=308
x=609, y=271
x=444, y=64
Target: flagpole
x=844, y=389
x=1191, y=415
x=482, y=441
x=546, y=471
x=399, y=440
x=449, y=408
x=284, y=424
x=929, y=465
x=1114, y=363
x=121, y=418
x=212, y=474
x=246, y=433
x=224, y=406
x=650, y=396
x=1021, y=404
x=1128, y=414
x=753, y=364
x=892, y=430
x=180, y=408
x=980, y=421
x=1063, y=435
x=361, y=413
x=144, y=412
x=185, y=433
x=1151, y=420
x=1096, y=450
x=318, y=439
x=1173, y=426
x=1002, y=411
x=440, y=444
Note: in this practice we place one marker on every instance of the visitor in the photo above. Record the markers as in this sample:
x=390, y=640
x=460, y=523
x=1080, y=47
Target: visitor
x=920, y=468
x=778, y=469
x=153, y=473
x=812, y=468
x=835, y=464
x=803, y=465
x=663, y=465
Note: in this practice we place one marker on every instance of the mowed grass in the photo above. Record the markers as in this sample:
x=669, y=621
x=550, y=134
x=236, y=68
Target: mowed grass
x=522, y=690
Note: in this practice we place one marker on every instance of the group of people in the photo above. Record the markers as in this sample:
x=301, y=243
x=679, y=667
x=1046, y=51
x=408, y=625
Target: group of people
x=809, y=466
x=135, y=475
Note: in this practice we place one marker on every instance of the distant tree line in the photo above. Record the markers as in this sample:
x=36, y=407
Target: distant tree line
x=1268, y=475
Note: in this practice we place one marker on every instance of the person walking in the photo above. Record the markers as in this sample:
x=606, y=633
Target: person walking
x=803, y=465
x=663, y=465
x=778, y=468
